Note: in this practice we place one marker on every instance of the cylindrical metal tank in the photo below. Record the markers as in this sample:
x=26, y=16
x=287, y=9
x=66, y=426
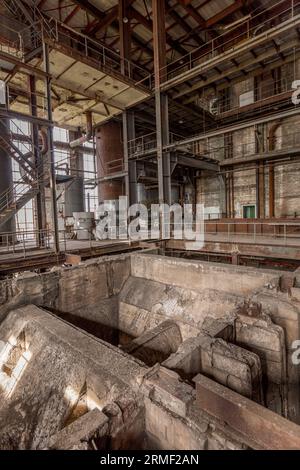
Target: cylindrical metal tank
x=110, y=160
x=83, y=224
x=74, y=197
x=6, y=180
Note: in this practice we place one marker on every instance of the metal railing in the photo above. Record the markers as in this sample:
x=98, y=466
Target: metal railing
x=203, y=148
x=148, y=143
x=287, y=141
x=103, y=56
x=253, y=231
x=27, y=243
x=44, y=28
x=232, y=37
x=268, y=88
x=23, y=242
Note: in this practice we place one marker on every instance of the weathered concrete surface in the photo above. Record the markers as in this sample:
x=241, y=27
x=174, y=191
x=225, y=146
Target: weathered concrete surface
x=285, y=312
x=62, y=361
x=86, y=293
x=247, y=320
x=92, y=425
x=266, y=429
x=266, y=339
x=234, y=367
x=199, y=275
x=144, y=303
x=171, y=420
x=157, y=344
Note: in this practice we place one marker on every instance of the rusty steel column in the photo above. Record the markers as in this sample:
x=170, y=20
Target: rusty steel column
x=127, y=116
x=40, y=203
x=46, y=62
x=110, y=160
x=125, y=36
x=161, y=101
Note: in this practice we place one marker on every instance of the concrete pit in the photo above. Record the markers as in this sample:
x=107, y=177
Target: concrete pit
x=104, y=354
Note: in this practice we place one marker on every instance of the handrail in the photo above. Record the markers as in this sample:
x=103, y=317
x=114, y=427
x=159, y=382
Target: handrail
x=55, y=30
x=139, y=146
x=210, y=48
x=16, y=190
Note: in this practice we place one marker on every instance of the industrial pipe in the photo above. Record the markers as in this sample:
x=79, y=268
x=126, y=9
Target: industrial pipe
x=89, y=132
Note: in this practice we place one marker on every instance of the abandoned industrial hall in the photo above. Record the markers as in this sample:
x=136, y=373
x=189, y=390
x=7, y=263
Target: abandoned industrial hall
x=149, y=225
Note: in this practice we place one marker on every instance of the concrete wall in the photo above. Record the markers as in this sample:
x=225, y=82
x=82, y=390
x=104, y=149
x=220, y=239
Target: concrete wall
x=266, y=339
x=61, y=363
x=86, y=294
x=238, y=369
x=199, y=275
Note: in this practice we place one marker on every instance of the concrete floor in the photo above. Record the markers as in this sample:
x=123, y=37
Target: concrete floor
x=262, y=243
x=70, y=246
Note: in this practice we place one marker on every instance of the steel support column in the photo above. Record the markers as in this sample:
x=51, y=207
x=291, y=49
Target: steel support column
x=125, y=36
x=161, y=102
x=127, y=116
x=51, y=146
x=40, y=198
x=272, y=145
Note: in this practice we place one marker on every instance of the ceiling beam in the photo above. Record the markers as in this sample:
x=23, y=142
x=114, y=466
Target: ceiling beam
x=149, y=25
x=224, y=13
x=193, y=12
x=94, y=11
x=90, y=8
x=179, y=20
x=71, y=14
x=107, y=20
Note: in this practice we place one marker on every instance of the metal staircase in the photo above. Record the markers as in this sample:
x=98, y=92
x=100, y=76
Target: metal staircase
x=14, y=198
x=13, y=151
x=24, y=160
x=38, y=24
x=22, y=191
x=28, y=12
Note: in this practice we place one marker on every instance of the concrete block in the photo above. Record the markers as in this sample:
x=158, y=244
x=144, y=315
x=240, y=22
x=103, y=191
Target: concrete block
x=295, y=293
x=165, y=387
x=260, y=427
x=78, y=433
